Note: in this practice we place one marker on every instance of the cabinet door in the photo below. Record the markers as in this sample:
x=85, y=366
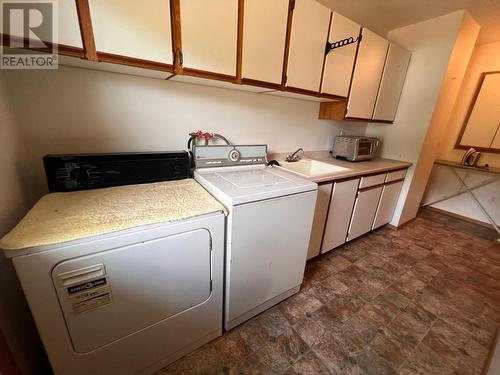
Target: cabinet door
x=339, y=62
x=367, y=75
x=133, y=28
x=209, y=32
x=310, y=24
x=69, y=27
x=387, y=204
x=264, y=34
x=392, y=82
x=364, y=212
x=320, y=213
x=339, y=214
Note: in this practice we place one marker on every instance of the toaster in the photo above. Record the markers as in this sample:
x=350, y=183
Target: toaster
x=354, y=148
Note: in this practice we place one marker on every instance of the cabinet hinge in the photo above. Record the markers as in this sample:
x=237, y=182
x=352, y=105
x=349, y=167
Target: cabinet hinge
x=292, y=4
x=285, y=78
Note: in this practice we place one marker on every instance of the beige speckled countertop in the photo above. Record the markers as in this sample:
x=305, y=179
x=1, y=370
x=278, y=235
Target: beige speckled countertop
x=359, y=168
x=62, y=217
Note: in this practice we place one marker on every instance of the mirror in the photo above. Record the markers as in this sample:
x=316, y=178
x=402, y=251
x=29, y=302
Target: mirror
x=481, y=128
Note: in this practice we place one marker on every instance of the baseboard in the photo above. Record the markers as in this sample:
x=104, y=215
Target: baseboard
x=395, y=227
x=461, y=217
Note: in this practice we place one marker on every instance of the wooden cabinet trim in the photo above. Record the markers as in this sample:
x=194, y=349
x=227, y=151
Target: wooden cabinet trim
x=175, y=25
x=394, y=182
x=331, y=96
x=209, y=75
x=62, y=49
x=366, y=175
x=132, y=61
x=371, y=187
x=379, y=185
x=291, y=7
x=297, y=90
x=86, y=30
x=257, y=83
x=239, y=38
x=368, y=120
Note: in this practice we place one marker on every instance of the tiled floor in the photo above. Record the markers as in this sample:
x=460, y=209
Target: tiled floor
x=421, y=300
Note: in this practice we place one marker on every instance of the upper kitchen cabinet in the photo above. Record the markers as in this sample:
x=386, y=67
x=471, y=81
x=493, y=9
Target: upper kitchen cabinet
x=367, y=74
x=133, y=29
x=69, y=29
x=393, y=78
x=264, y=36
x=209, y=35
x=339, y=63
x=309, y=33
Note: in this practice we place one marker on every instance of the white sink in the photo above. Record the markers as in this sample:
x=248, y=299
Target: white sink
x=311, y=168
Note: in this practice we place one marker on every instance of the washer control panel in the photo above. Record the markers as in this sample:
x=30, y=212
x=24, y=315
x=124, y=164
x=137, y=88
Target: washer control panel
x=234, y=155
x=208, y=156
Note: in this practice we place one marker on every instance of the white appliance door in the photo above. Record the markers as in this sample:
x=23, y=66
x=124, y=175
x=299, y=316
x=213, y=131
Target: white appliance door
x=267, y=249
x=112, y=294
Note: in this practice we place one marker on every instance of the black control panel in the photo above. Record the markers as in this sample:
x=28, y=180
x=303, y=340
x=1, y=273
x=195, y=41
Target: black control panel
x=92, y=171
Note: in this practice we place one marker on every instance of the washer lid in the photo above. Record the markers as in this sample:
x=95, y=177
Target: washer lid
x=239, y=185
x=253, y=178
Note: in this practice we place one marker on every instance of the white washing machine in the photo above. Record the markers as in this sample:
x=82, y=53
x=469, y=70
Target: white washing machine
x=129, y=300
x=268, y=226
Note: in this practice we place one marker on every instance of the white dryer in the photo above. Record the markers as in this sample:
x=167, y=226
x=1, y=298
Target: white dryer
x=122, y=280
x=268, y=226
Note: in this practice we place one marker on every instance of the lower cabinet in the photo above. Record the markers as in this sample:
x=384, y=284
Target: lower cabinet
x=320, y=214
x=339, y=214
x=348, y=209
x=387, y=204
x=365, y=208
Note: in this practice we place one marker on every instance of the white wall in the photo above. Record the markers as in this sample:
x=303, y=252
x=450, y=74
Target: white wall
x=440, y=49
x=15, y=319
x=485, y=58
x=78, y=110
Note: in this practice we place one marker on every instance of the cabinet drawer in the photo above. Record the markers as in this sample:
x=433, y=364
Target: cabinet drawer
x=396, y=175
x=372, y=180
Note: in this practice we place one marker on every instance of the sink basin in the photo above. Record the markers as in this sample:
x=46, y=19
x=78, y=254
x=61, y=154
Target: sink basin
x=311, y=168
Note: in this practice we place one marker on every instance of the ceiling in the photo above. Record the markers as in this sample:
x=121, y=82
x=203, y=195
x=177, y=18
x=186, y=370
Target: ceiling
x=384, y=15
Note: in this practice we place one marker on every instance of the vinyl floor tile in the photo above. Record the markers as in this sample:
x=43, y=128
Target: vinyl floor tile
x=424, y=299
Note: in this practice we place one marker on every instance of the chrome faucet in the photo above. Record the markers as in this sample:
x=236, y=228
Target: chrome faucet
x=295, y=156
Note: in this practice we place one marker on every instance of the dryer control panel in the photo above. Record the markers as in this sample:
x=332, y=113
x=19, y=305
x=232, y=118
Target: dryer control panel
x=91, y=171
